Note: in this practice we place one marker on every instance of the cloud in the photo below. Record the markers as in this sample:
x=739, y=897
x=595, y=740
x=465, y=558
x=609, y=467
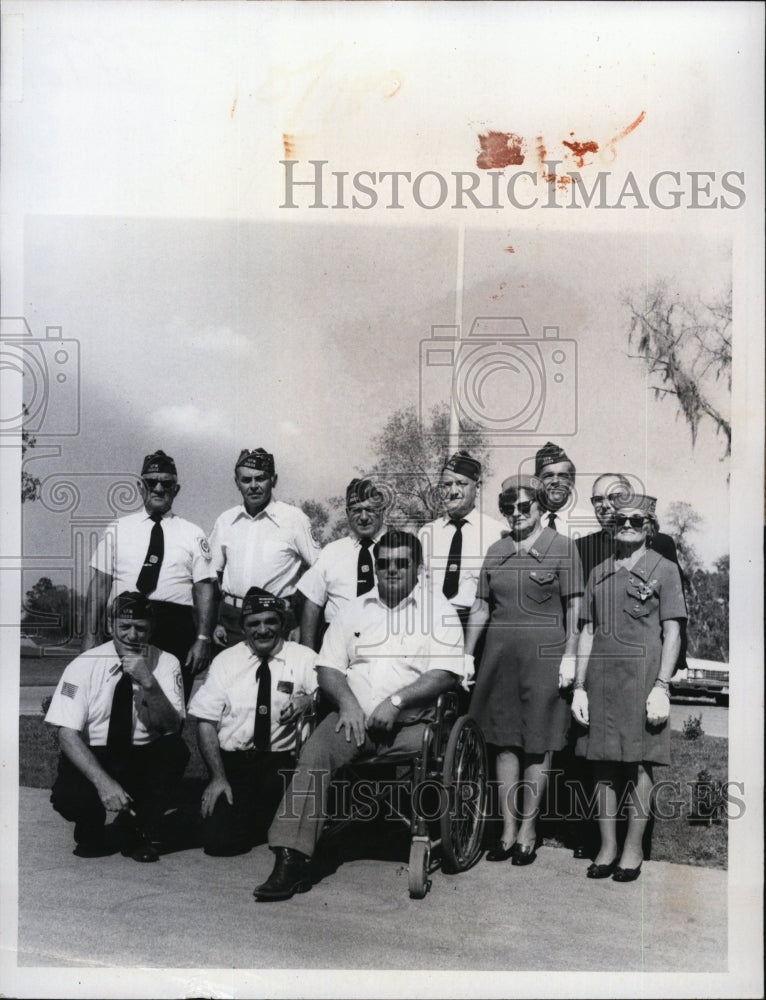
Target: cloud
x=189, y=420
x=207, y=338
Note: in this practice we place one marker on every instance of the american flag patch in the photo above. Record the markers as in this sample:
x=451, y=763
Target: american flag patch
x=68, y=690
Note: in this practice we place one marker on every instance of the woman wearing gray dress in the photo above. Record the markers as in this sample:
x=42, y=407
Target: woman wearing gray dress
x=529, y=598
x=632, y=610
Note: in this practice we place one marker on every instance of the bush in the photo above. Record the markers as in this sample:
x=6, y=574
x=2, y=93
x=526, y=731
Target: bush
x=693, y=727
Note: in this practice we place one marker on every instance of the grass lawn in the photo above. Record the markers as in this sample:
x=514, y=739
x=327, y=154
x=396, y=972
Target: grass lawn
x=674, y=838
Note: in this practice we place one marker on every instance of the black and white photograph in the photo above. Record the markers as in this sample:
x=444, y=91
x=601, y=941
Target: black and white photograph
x=382, y=445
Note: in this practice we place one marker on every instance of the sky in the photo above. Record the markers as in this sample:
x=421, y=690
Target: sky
x=141, y=187
x=203, y=337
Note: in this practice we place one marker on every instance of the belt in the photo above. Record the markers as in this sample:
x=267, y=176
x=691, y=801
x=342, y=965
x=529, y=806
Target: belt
x=235, y=602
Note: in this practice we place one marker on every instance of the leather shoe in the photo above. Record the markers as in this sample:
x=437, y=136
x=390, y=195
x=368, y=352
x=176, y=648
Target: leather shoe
x=93, y=849
x=138, y=846
x=497, y=852
x=626, y=874
x=602, y=871
x=522, y=855
x=290, y=875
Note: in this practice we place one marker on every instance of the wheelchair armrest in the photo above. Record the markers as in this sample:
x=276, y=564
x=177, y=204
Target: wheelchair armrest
x=446, y=707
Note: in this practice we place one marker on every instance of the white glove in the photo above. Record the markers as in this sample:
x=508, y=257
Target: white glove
x=567, y=670
x=657, y=706
x=580, y=706
x=469, y=671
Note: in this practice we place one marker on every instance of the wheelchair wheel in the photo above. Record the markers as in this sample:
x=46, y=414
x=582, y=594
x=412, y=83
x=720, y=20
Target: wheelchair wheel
x=418, y=880
x=464, y=778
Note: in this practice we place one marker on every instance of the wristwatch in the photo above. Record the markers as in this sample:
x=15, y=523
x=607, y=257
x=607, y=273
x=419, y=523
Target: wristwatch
x=396, y=700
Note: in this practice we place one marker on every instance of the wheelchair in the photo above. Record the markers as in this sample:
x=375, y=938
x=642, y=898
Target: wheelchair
x=452, y=761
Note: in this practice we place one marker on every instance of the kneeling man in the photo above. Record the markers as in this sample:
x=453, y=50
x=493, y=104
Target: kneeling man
x=119, y=708
x=248, y=712
x=384, y=661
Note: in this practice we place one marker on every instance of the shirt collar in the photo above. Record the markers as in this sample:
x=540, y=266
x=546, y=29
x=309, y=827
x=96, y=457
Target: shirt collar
x=269, y=511
x=414, y=598
x=469, y=518
x=538, y=549
x=165, y=517
x=375, y=538
x=645, y=565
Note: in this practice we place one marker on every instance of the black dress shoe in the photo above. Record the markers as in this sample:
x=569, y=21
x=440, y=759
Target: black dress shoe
x=290, y=875
x=626, y=874
x=522, y=855
x=602, y=871
x=137, y=845
x=497, y=852
x=93, y=849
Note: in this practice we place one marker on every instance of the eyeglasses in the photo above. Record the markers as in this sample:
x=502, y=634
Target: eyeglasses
x=634, y=520
x=522, y=506
x=385, y=564
x=167, y=484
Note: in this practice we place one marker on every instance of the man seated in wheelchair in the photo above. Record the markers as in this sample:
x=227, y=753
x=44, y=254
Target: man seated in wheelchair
x=383, y=663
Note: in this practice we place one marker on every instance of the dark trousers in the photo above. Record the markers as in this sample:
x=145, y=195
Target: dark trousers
x=150, y=774
x=175, y=631
x=257, y=788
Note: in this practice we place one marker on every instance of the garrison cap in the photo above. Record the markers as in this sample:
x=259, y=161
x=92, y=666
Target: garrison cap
x=258, y=458
x=550, y=454
x=513, y=484
x=638, y=501
x=258, y=600
x=363, y=491
x=462, y=463
x=158, y=462
x=132, y=605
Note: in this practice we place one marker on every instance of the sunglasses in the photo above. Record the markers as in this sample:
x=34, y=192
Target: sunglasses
x=634, y=520
x=385, y=564
x=153, y=484
x=522, y=506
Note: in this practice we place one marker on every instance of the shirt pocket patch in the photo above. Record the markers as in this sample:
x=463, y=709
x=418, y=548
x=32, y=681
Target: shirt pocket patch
x=540, y=586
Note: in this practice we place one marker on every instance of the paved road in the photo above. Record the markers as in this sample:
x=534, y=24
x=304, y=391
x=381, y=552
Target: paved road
x=191, y=911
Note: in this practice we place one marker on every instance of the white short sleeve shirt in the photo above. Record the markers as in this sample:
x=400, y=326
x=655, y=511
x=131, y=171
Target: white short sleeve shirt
x=186, y=559
x=381, y=650
x=83, y=697
x=268, y=550
x=478, y=533
x=229, y=695
x=331, y=582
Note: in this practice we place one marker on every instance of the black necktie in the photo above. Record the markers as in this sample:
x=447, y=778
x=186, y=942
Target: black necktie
x=262, y=731
x=119, y=738
x=150, y=571
x=452, y=575
x=552, y=521
x=364, y=578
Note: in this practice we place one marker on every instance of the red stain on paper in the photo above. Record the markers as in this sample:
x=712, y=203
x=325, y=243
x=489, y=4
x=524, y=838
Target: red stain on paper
x=499, y=150
x=289, y=145
x=542, y=155
x=509, y=250
x=502, y=285
x=233, y=107
x=580, y=149
x=628, y=129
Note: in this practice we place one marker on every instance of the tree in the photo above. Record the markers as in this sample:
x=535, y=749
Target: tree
x=410, y=457
x=707, y=592
x=682, y=520
x=30, y=485
x=686, y=347
x=48, y=612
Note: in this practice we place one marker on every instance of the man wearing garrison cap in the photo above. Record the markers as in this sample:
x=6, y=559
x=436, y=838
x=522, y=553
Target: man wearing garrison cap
x=456, y=543
x=556, y=472
x=167, y=559
x=262, y=542
x=119, y=709
x=248, y=710
x=344, y=568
